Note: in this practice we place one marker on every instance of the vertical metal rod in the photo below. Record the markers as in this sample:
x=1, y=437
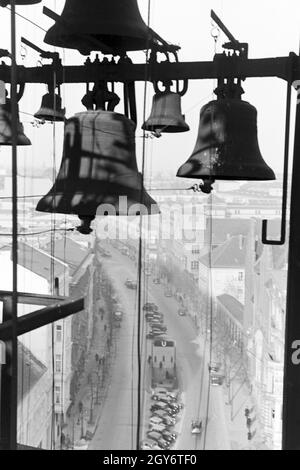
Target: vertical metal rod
x=291, y=402
x=6, y=384
x=14, y=111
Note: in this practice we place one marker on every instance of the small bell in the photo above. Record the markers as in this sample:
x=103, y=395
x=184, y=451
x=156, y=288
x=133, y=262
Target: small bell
x=6, y=126
x=51, y=109
x=166, y=114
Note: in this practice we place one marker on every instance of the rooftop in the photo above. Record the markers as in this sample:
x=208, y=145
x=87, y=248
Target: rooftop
x=231, y=254
x=233, y=306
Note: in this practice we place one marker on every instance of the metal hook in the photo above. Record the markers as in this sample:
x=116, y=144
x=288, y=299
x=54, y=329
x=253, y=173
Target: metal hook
x=281, y=241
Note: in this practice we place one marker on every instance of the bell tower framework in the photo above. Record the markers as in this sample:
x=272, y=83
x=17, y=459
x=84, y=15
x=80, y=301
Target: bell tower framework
x=236, y=65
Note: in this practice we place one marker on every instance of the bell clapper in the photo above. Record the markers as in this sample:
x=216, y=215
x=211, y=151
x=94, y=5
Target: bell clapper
x=206, y=187
x=85, y=227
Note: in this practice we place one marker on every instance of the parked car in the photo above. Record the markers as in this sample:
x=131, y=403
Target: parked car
x=154, y=419
x=146, y=445
x=158, y=427
x=163, y=444
x=169, y=421
x=158, y=326
x=150, y=307
x=167, y=438
x=164, y=391
x=216, y=379
x=159, y=397
x=214, y=366
x=159, y=405
x=152, y=334
x=166, y=399
x=162, y=414
x=156, y=436
x=154, y=319
x=156, y=280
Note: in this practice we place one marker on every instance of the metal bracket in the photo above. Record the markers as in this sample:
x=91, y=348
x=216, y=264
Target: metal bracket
x=281, y=241
x=233, y=44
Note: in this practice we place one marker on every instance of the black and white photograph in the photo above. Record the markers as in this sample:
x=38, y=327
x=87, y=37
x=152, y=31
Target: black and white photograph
x=149, y=228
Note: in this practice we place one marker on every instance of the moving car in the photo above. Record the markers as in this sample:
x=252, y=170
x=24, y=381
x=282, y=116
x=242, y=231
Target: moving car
x=131, y=284
x=196, y=427
x=182, y=312
x=168, y=293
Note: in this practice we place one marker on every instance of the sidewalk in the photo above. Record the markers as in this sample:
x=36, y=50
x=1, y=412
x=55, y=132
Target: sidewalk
x=81, y=425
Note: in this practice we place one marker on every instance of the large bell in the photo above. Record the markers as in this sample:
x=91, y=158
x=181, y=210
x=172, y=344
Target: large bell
x=166, y=114
x=96, y=25
x=6, y=126
x=98, y=173
x=51, y=109
x=227, y=145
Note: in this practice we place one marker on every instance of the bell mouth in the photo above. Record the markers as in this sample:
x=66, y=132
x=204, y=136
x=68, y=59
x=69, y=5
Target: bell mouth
x=213, y=162
x=22, y=140
x=166, y=127
x=47, y=115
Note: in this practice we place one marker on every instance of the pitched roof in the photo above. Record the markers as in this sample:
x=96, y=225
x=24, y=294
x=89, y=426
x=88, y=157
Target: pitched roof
x=233, y=306
x=69, y=252
x=30, y=370
x=39, y=262
x=231, y=254
x=222, y=228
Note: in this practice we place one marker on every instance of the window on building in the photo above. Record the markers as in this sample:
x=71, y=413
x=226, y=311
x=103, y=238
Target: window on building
x=195, y=250
x=241, y=276
x=195, y=265
x=58, y=333
x=58, y=363
x=57, y=394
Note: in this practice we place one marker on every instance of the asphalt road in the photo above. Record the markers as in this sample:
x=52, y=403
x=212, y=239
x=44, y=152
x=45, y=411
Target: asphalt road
x=117, y=424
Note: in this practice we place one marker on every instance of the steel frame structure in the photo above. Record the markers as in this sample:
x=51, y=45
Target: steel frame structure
x=223, y=66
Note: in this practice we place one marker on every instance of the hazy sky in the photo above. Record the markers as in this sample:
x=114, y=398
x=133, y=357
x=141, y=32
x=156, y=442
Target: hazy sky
x=270, y=27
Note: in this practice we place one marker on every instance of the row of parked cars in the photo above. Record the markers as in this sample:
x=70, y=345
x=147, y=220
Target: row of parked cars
x=164, y=412
x=155, y=319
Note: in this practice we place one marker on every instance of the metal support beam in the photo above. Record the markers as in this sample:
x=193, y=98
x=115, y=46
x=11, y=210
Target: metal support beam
x=40, y=318
x=33, y=299
x=222, y=66
x=291, y=396
x=6, y=383
x=25, y=324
